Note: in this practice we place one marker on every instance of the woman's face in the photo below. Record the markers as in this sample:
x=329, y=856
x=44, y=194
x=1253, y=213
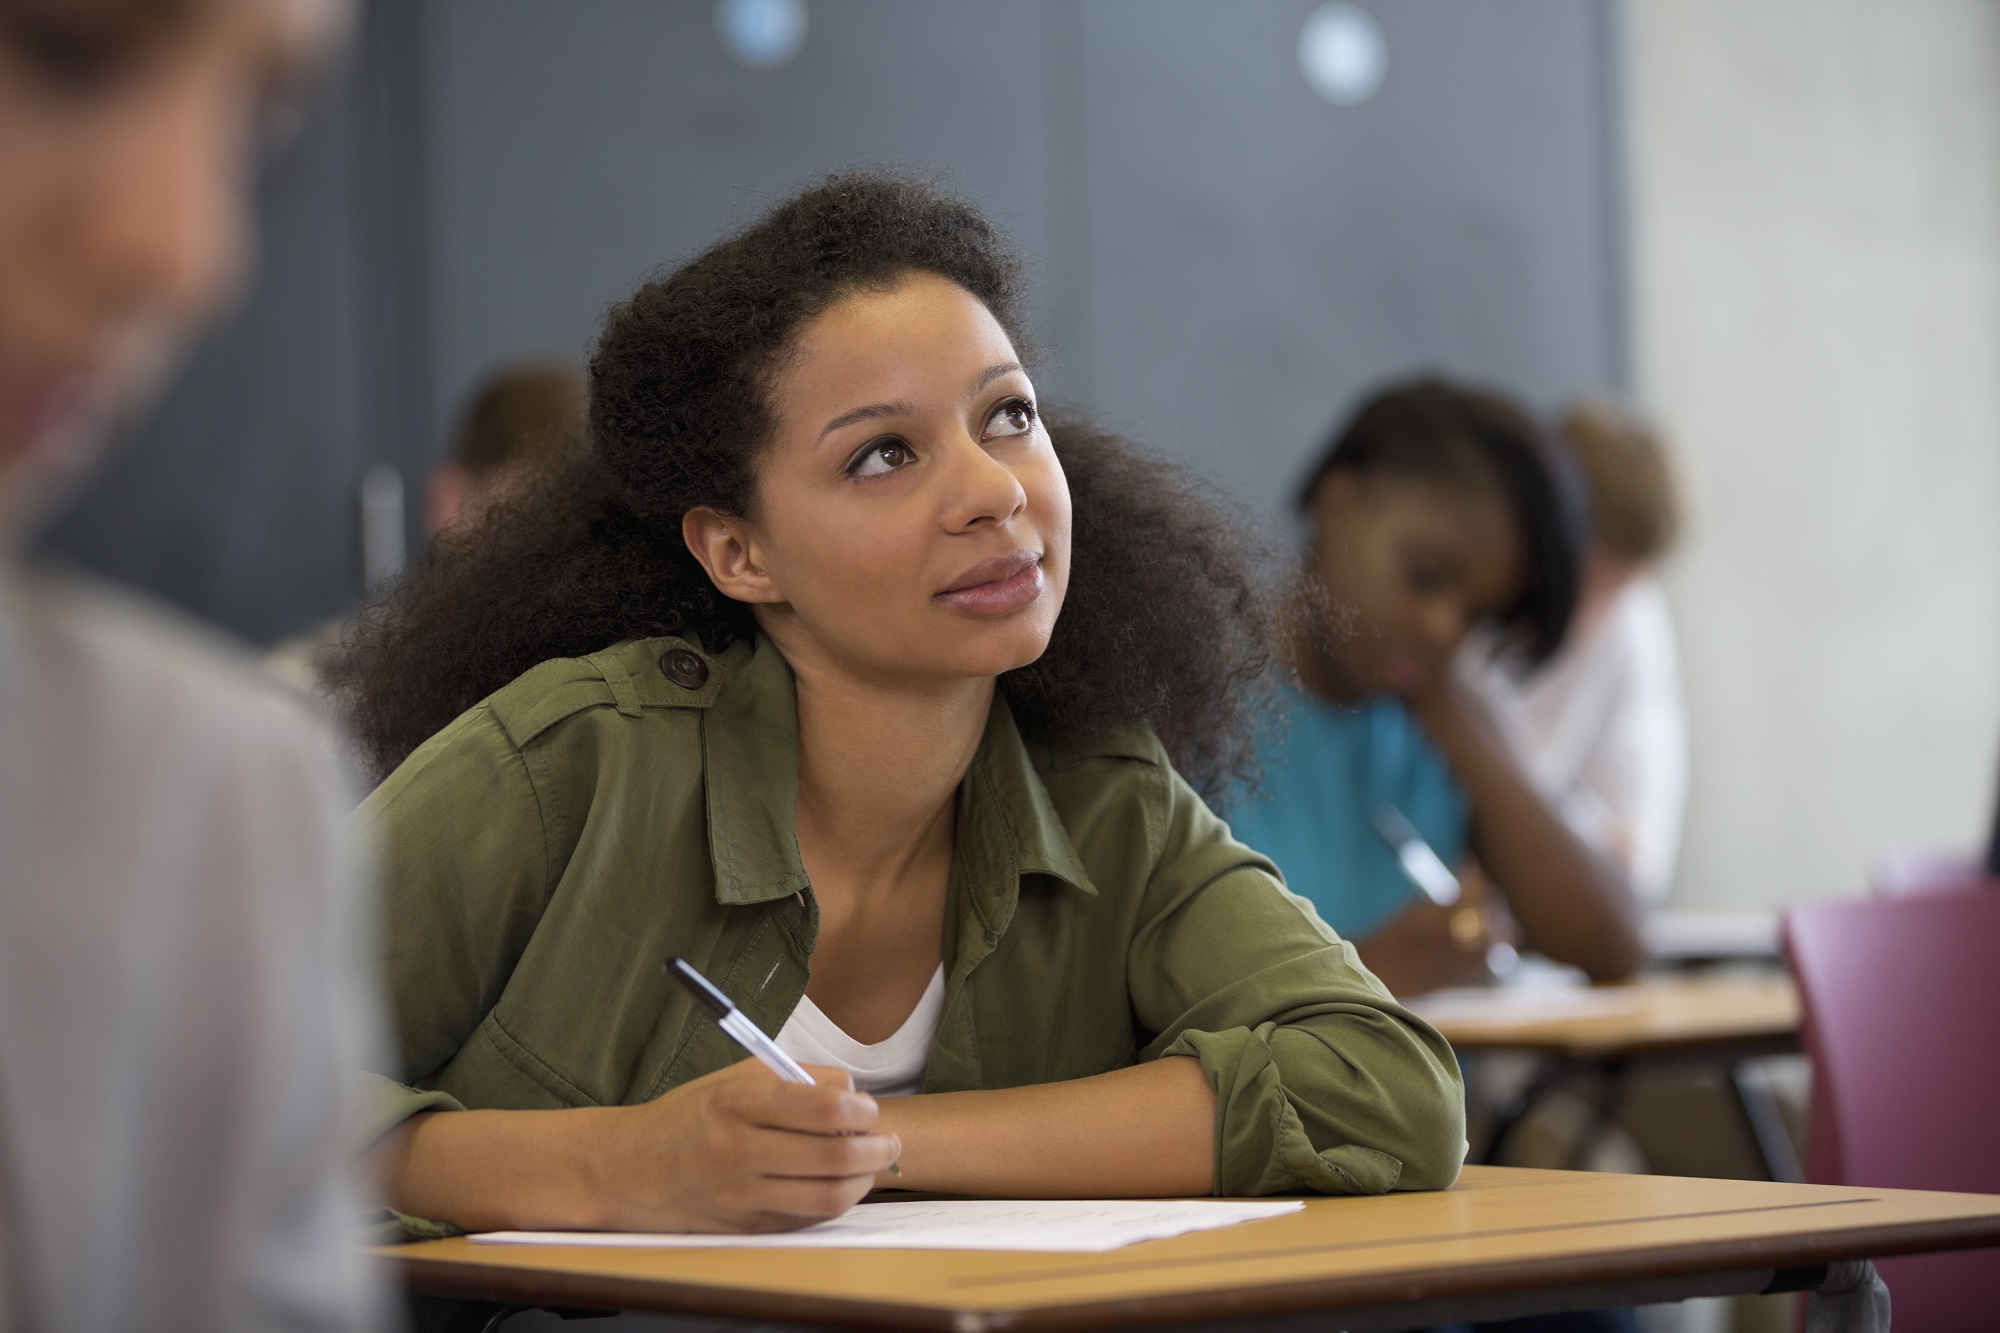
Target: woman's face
x=1420, y=562
x=127, y=128
x=911, y=519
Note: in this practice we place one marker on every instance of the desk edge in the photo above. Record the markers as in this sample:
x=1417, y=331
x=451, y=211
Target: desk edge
x=1871, y=1241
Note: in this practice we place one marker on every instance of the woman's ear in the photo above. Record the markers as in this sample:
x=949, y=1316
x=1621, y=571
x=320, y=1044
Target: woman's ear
x=725, y=549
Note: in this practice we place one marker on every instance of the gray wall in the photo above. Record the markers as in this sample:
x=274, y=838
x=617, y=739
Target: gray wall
x=1222, y=258
x=1817, y=199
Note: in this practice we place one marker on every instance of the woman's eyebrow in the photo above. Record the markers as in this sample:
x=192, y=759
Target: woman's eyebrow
x=872, y=412
x=903, y=407
x=992, y=373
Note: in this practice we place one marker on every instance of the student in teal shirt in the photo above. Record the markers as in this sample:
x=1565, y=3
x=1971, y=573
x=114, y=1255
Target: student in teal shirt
x=1436, y=509
x=1333, y=767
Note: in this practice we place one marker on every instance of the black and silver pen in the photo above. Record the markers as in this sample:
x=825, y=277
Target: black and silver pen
x=735, y=1024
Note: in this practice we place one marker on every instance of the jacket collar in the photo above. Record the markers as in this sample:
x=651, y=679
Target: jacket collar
x=750, y=765
x=1007, y=825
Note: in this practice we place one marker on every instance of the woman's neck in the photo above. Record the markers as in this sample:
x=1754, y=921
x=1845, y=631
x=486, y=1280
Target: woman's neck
x=879, y=767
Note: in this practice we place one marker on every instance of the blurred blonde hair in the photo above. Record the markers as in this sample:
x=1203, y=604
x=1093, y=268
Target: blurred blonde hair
x=1635, y=505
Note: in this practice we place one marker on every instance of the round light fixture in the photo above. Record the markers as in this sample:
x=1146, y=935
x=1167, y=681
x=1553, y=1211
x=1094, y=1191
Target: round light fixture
x=762, y=34
x=1342, y=53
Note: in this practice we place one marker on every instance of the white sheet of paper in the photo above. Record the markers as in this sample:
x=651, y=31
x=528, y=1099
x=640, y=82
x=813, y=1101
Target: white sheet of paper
x=1055, y=1226
x=1502, y=1006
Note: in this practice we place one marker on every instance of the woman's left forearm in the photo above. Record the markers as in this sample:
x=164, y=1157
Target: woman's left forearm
x=1574, y=903
x=1147, y=1131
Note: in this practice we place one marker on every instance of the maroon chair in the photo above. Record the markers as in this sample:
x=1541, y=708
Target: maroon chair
x=1902, y=1021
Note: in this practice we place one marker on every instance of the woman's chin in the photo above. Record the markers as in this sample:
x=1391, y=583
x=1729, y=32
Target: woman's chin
x=1000, y=650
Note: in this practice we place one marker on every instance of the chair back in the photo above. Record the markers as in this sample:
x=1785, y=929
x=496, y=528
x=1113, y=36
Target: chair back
x=1902, y=1021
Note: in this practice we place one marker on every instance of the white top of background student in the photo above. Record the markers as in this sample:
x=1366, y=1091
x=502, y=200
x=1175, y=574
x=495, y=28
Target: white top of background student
x=1603, y=723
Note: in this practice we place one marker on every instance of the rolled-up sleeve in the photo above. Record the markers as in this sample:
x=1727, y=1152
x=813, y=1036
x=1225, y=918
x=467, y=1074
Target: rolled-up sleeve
x=1322, y=1081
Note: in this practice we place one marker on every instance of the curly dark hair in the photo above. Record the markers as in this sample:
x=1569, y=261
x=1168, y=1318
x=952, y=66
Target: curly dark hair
x=1172, y=605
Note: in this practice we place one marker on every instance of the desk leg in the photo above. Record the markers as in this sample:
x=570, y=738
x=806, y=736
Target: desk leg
x=1547, y=1077
x=1765, y=1122
x=1604, y=1110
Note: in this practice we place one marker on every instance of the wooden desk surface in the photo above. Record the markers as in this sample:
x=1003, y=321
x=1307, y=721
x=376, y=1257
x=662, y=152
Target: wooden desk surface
x=1654, y=1014
x=1500, y=1230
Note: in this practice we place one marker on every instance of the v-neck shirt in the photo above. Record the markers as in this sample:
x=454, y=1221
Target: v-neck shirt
x=892, y=1067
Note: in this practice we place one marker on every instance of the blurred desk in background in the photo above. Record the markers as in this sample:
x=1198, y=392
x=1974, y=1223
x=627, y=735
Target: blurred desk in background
x=1607, y=1031
x=1706, y=937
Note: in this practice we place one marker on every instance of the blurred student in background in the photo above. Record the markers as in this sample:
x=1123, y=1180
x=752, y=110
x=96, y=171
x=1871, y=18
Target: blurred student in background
x=1438, y=509
x=177, y=1000
x=1602, y=724
x=524, y=415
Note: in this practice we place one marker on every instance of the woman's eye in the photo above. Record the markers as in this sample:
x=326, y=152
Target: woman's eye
x=1016, y=416
x=881, y=457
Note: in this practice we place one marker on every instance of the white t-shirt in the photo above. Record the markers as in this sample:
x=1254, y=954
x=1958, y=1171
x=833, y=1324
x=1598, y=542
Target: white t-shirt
x=1602, y=726
x=892, y=1067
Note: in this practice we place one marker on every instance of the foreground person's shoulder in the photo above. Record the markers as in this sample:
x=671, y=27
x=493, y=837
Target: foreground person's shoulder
x=144, y=678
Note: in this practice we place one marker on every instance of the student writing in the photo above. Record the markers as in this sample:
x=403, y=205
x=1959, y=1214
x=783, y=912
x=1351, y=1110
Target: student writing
x=841, y=673
x=1435, y=510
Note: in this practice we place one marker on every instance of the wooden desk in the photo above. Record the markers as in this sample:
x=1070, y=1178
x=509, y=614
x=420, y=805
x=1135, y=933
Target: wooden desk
x=1504, y=1241
x=1642, y=1018
x=1605, y=1030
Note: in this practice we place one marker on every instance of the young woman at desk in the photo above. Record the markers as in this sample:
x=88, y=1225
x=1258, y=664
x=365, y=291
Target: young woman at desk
x=840, y=673
x=1436, y=510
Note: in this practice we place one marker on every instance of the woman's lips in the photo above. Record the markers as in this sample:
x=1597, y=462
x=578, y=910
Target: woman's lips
x=1403, y=673
x=997, y=587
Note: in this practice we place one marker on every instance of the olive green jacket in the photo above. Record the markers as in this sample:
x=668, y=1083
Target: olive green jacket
x=550, y=848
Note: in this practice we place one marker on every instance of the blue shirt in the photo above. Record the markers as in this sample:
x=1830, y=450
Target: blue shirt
x=1326, y=769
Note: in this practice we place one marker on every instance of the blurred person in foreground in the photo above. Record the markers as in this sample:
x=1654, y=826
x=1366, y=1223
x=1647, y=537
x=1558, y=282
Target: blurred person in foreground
x=1603, y=723
x=523, y=416
x=177, y=999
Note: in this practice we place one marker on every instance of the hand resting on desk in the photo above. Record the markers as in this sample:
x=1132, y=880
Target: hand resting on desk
x=736, y=1150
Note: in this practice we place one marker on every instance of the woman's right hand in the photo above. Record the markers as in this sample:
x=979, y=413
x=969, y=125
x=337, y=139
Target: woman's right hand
x=736, y=1150
x=743, y=1150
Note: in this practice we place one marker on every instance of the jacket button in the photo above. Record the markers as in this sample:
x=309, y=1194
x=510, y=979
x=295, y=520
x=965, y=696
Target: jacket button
x=684, y=668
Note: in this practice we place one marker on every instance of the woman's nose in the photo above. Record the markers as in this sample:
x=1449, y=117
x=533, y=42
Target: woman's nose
x=983, y=489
